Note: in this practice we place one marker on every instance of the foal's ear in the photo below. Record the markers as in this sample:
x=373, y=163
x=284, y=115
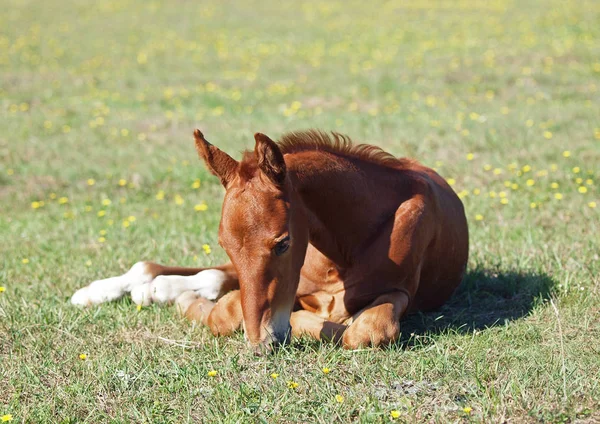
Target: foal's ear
x=218, y=162
x=270, y=158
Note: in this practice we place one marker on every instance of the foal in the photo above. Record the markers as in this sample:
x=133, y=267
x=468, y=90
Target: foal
x=334, y=240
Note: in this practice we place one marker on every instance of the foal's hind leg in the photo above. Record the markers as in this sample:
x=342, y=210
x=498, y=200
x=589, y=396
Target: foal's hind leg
x=145, y=287
x=169, y=283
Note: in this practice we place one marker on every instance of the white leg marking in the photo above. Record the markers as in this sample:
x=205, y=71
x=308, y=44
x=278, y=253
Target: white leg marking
x=166, y=288
x=113, y=288
x=142, y=294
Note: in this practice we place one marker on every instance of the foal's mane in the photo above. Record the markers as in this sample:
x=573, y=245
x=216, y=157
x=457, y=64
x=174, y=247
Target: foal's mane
x=336, y=143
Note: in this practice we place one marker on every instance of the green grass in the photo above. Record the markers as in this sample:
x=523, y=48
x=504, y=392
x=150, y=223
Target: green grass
x=112, y=90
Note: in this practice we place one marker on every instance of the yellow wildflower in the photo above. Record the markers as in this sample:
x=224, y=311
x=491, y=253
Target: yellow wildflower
x=339, y=398
x=470, y=156
x=206, y=249
x=201, y=207
x=592, y=204
x=2, y=289
x=274, y=375
x=292, y=384
x=91, y=181
x=326, y=370
x=467, y=409
x=63, y=200
x=6, y=417
x=82, y=356
x=178, y=200
x=582, y=189
x=35, y=205
x=558, y=196
x=101, y=213
x=566, y=153
x=160, y=195
x=106, y=202
x=478, y=217
x=212, y=373
x=138, y=307
x=25, y=260
x=395, y=414
x=196, y=184
x=576, y=170
x=451, y=181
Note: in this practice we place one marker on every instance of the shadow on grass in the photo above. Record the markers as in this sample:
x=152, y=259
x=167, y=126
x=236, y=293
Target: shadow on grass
x=484, y=299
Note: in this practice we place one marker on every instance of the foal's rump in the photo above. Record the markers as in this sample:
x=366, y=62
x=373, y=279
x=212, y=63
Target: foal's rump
x=446, y=258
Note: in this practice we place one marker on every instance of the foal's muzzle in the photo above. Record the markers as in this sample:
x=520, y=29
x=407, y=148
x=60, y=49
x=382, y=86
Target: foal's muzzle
x=273, y=341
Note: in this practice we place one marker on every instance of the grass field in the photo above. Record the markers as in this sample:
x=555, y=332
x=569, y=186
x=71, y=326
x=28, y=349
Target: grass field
x=98, y=101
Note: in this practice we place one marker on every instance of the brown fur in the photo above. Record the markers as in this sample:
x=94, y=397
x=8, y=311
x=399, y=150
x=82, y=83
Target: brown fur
x=369, y=237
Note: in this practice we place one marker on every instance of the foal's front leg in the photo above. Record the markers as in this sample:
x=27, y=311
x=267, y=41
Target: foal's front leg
x=378, y=323
x=222, y=317
x=150, y=282
x=308, y=323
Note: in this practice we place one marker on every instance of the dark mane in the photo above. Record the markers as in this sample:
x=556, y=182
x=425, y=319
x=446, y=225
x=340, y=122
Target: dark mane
x=310, y=140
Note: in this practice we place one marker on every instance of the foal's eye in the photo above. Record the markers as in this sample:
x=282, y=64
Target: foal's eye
x=282, y=246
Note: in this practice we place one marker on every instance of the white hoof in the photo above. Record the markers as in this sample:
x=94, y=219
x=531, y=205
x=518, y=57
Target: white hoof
x=80, y=297
x=142, y=294
x=112, y=288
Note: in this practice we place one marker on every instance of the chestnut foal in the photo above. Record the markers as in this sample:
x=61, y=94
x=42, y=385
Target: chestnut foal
x=338, y=241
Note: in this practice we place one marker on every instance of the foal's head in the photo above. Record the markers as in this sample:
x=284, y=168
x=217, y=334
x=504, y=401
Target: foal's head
x=264, y=233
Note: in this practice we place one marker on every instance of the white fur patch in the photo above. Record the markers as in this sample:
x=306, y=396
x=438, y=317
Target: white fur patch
x=166, y=288
x=144, y=290
x=113, y=288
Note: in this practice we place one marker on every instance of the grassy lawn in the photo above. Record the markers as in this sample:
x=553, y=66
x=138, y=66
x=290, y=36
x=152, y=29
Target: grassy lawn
x=98, y=101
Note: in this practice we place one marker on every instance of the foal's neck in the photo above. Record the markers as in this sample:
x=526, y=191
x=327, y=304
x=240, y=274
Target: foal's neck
x=346, y=200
